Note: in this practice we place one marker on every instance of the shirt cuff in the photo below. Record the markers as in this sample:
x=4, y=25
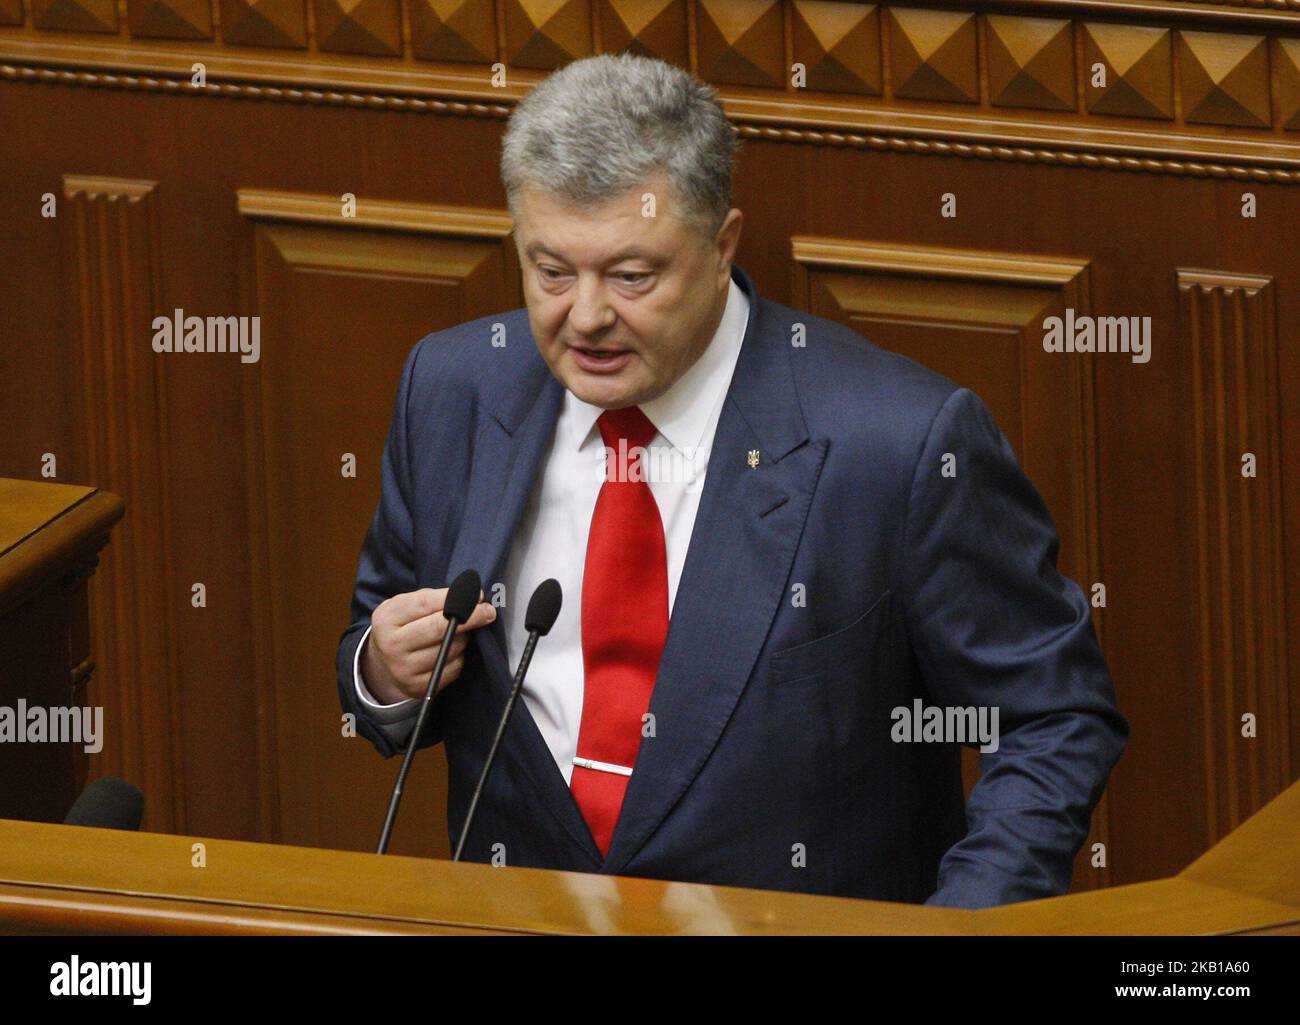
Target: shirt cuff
x=396, y=714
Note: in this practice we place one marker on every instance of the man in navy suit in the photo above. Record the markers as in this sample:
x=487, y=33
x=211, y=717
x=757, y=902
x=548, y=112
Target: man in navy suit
x=783, y=551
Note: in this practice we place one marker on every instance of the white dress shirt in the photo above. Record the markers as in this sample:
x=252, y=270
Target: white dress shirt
x=551, y=539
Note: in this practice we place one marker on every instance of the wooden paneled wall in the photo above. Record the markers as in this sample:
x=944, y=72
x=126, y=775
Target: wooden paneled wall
x=942, y=177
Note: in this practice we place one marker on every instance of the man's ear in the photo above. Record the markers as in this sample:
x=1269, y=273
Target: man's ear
x=728, y=238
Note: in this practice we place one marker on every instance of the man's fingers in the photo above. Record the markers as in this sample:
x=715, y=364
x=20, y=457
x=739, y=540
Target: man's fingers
x=416, y=666
x=451, y=671
x=483, y=614
x=421, y=634
x=413, y=671
x=429, y=631
x=409, y=630
x=403, y=609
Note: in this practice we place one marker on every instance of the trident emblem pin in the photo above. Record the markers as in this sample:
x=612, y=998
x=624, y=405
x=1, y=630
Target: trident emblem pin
x=753, y=458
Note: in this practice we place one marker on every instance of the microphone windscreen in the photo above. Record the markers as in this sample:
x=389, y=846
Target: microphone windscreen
x=544, y=607
x=108, y=803
x=462, y=596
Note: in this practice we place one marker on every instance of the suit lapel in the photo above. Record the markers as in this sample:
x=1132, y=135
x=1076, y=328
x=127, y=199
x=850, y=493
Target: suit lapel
x=507, y=454
x=741, y=550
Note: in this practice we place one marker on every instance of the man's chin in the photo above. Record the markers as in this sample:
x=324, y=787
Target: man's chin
x=606, y=392
x=609, y=391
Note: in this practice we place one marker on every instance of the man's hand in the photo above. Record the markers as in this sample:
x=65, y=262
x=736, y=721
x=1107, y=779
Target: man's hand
x=406, y=634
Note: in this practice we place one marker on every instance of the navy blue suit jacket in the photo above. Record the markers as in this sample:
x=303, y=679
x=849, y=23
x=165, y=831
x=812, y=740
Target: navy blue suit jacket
x=772, y=764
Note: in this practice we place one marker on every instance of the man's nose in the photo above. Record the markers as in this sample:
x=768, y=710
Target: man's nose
x=590, y=312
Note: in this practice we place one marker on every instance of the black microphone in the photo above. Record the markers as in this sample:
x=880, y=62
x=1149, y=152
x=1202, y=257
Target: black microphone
x=462, y=596
x=107, y=803
x=543, y=609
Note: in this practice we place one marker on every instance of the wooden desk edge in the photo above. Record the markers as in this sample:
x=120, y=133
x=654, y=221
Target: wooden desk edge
x=56, y=545
x=136, y=883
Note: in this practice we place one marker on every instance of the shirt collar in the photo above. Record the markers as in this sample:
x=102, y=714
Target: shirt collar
x=682, y=413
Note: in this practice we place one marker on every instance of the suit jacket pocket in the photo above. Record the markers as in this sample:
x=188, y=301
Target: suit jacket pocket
x=848, y=646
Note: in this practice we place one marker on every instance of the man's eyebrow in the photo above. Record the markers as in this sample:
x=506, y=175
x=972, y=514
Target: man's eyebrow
x=533, y=249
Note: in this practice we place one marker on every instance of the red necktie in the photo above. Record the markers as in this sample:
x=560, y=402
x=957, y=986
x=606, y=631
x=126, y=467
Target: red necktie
x=624, y=623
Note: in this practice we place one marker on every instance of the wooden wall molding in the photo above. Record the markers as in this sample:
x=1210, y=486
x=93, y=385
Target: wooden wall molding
x=295, y=85
x=1183, y=96
x=1088, y=149
x=1228, y=329
x=1231, y=11
x=935, y=262
x=114, y=251
x=310, y=208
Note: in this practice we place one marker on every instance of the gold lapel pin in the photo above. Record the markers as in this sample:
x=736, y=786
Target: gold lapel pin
x=753, y=458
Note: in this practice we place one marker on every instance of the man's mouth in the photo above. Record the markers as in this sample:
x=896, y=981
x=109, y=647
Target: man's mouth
x=599, y=353
x=600, y=359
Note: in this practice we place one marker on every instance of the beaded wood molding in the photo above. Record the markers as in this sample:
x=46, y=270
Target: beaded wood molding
x=1178, y=86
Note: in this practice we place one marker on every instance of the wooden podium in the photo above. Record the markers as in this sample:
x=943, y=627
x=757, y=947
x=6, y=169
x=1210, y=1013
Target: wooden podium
x=66, y=879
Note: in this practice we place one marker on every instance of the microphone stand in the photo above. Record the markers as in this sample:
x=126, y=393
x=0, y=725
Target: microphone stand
x=524, y=660
x=452, y=623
